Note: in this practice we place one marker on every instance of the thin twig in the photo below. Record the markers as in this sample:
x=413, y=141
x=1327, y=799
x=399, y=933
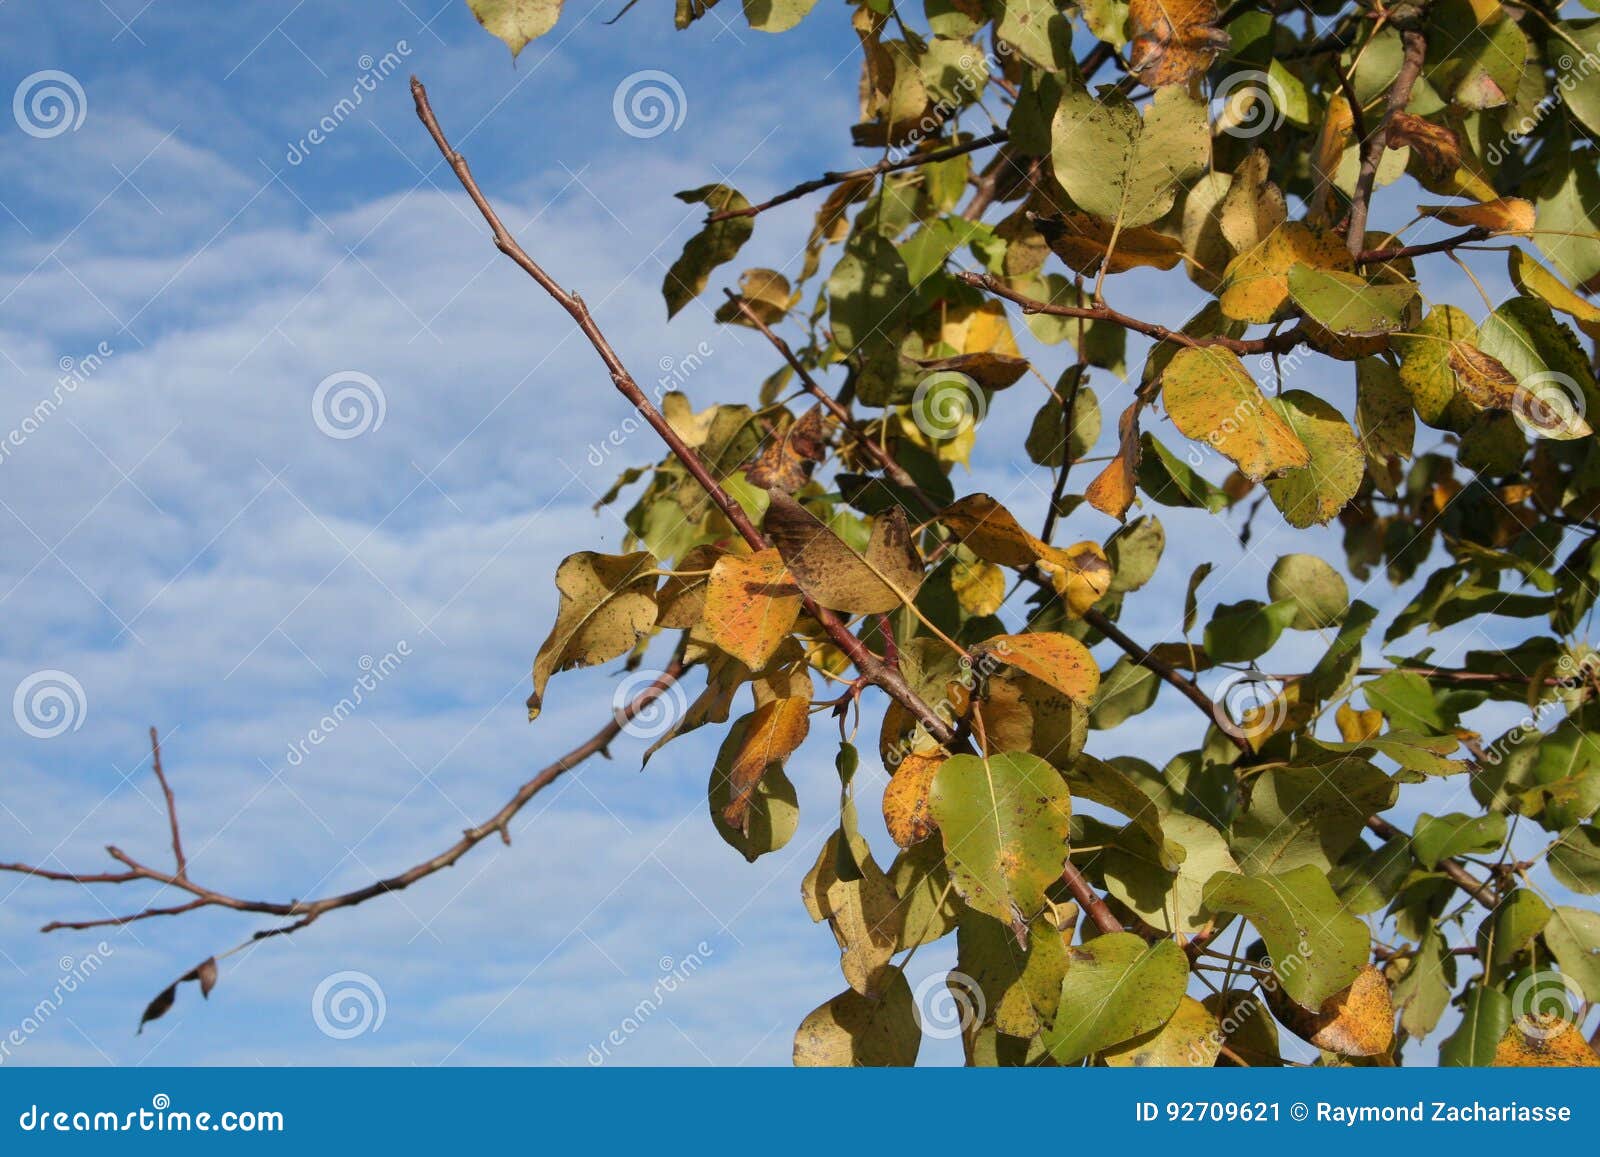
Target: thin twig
x=172, y=805
x=1416, y=48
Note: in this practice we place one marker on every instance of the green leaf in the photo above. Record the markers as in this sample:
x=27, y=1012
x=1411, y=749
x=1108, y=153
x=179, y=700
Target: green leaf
x=1124, y=167
x=1476, y=53
x=1574, y=859
x=1134, y=551
x=1004, y=823
x=1117, y=987
x=516, y=21
x=1573, y=936
x=1347, y=304
x=776, y=15
x=1308, y=815
x=1038, y=30
x=1137, y=871
x=1484, y=1021
x=1510, y=928
x=1125, y=691
x=1020, y=984
x=1315, y=945
x=1437, y=838
x=608, y=603
x=716, y=244
x=1172, y=482
x=1318, y=592
x=1242, y=631
x=867, y=291
x=1407, y=700
x=852, y=1029
x=1312, y=495
x=1423, y=992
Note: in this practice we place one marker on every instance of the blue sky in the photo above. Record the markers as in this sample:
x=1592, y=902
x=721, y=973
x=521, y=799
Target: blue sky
x=185, y=542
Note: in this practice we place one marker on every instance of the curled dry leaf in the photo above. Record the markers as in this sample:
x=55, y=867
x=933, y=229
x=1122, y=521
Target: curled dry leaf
x=885, y=576
x=1502, y=215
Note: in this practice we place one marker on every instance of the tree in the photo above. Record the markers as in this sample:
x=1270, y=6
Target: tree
x=811, y=550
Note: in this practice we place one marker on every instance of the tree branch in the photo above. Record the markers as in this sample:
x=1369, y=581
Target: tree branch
x=1416, y=48
x=838, y=178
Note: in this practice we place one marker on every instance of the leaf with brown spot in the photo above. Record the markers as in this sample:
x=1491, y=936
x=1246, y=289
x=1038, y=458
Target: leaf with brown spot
x=751, y=605
x=1485, y=382
x=682, y=597
x=786, y=462
x=1434, y=148
x=905, y=799
x=879, y=580
x=1059, y=660
x=1255, y=286
x=991, y=532
x=1173, y=41
x=1357, y=1021
x=1543, y=1041
x=1211, y=398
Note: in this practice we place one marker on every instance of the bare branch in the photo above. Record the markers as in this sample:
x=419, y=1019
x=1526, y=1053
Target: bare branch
x=1416, y=48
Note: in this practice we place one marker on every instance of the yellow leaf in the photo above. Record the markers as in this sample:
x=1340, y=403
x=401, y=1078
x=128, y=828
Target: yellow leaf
x=1080, y=574
x=1503, y=215
x=1534, y=1041
x=1354, y=726
x=608, y=603
x=1312, y=495
x=1355, y=1022
x=1111, y=492
x=1058, y=660
x=990, y=531
x=1537, y=281
x=1192, y=1038
x=980, y=586
x=1211, y=398
x=751, y=606
x=1255, y=286
x=905, y=799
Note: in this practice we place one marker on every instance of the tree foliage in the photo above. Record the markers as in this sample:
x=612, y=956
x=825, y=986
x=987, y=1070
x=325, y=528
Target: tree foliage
x=1326, y=383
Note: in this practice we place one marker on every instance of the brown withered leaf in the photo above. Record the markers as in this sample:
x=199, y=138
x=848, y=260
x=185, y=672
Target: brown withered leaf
x=750, y=606
x=777, y=728
x=991, y=532
x=905, y=799
x=204, y=974
x=1485, y=382
x=1434, y=148
x=1173, y=41
x=1502, y=215
x=786, y=462
x=1084, y=242
x=992, y=371
x=888, y=574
